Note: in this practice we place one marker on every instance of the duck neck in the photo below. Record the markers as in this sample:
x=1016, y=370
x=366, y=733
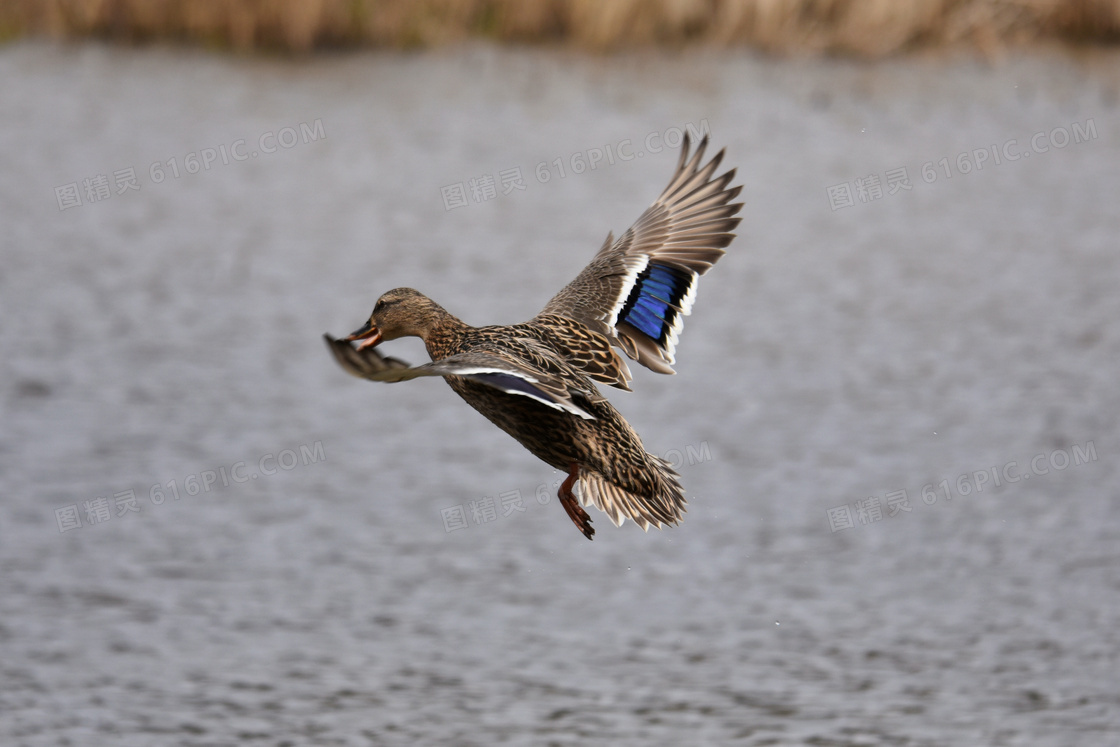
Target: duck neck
x=443, y=334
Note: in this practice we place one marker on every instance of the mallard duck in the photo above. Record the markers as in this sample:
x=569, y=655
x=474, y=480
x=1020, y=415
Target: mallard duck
x=536, y=380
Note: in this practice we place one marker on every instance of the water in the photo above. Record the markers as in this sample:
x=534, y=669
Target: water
x=171, y=334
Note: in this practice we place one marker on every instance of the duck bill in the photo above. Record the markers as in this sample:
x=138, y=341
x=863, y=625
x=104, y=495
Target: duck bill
x=369, y=334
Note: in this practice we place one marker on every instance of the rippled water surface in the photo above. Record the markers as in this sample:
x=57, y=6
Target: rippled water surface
x=285, y=575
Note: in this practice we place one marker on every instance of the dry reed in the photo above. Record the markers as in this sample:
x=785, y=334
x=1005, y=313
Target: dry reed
x=868, y=28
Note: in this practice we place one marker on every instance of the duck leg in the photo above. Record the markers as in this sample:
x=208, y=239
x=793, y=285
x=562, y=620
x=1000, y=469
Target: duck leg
x=568, y=500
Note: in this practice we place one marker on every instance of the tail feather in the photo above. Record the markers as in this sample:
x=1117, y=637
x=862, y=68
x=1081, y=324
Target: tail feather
x=665, y=507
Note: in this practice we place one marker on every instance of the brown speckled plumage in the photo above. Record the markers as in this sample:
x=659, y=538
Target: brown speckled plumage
x=536, y=380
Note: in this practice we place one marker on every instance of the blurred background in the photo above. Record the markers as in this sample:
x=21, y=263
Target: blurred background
x=895, y=412
x=864, y=28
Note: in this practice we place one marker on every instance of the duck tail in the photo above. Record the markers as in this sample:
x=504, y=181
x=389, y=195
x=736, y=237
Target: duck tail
x=664, y=506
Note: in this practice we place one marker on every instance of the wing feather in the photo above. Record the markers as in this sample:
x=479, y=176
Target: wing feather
x=486, y=366
x=636, y=289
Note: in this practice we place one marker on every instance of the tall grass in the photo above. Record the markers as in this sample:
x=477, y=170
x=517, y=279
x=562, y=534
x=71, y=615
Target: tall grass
x=870, y=28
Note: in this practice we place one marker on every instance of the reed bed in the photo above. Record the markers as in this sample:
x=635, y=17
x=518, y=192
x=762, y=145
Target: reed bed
x=865, y=28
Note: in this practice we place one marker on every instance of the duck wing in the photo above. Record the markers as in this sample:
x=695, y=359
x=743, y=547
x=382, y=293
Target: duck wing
x=636, y=289
x=492, y=365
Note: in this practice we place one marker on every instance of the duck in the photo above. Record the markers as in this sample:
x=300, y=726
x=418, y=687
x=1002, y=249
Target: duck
x=537, y=380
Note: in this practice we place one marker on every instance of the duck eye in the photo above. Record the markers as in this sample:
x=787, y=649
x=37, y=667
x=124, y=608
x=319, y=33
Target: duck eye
x=382, y=304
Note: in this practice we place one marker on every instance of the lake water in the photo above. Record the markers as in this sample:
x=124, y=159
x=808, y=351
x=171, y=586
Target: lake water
x=271, y=562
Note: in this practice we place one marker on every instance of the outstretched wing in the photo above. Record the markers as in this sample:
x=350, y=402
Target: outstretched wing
x=636, y=289
x=487, y=367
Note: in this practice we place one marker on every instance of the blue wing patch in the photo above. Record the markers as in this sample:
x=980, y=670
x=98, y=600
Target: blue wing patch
x=654, y=301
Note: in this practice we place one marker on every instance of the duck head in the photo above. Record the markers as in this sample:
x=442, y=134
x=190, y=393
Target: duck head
x=402, y=312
